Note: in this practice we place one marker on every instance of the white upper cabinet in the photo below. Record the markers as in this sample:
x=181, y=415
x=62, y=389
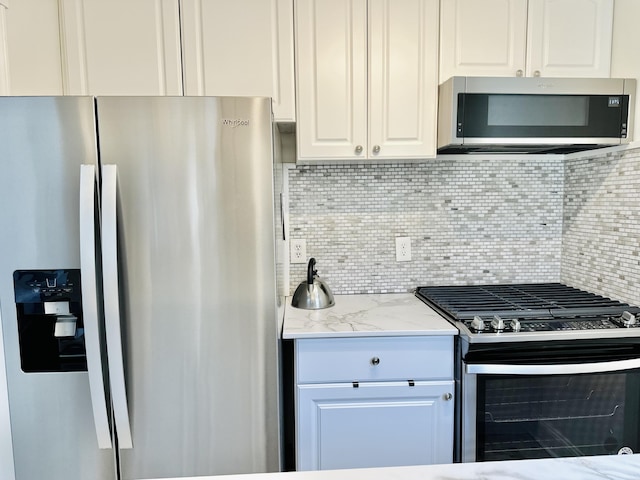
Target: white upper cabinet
x=90, y=47
x=121, y=47
x=482, y=37
x=366, y=79
x=403, y=79
x=570, y=38
x=331, y=78
x=30, y=62
x=243, y=47
x=551, y=38
x=149, y=47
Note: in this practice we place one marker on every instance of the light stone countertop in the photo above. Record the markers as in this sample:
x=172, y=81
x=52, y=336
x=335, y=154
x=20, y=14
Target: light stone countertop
x=375, y=315
x=607, y=467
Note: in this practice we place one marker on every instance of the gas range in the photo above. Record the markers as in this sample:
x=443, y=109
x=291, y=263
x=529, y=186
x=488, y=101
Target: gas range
x=531, y=312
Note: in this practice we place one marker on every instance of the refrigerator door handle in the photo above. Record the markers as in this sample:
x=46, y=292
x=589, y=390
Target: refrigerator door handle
x=90, y=304
x=112, y=306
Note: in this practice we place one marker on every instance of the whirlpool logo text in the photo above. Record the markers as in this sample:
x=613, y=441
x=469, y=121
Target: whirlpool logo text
x=235, y=122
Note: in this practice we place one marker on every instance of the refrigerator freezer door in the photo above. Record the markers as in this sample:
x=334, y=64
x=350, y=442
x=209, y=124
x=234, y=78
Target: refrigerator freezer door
x=197, y=282
x=43, y=142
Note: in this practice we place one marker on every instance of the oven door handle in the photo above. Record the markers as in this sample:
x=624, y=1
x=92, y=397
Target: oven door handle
x=563, y=369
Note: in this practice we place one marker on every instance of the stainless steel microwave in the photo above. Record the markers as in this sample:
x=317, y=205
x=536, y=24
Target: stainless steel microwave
x=534, y=114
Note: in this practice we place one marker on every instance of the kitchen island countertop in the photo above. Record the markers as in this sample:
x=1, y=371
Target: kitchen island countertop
x=373, y=315
x=608, y=467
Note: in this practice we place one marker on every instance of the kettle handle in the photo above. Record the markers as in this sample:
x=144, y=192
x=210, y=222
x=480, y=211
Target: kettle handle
x=310, y=271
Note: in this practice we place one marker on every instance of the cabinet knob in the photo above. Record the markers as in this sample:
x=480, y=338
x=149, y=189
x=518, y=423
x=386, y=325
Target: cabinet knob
x=519, y=73
x=376, y=149
x=447, y=396
x=536, y=73
x=359, y=149
x=375, y=361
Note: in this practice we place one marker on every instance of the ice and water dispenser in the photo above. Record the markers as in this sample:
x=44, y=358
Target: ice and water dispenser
x=50, y=327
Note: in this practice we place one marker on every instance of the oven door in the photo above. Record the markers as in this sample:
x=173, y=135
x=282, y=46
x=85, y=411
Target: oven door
x=535, y=402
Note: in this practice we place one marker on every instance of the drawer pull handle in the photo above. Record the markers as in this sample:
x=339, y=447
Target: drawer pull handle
x=375, y=361
x=448, y=396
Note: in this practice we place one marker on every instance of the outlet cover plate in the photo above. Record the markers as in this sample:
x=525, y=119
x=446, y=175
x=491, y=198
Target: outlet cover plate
x=403, y=249
x=298, y=250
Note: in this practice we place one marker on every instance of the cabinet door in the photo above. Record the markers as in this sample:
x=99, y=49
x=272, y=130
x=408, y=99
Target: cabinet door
x=30, y=61
x=121, y=47
x=403, y=78
x=483, y=38
x=331, y=78
x=570, y=38
x=374, y=425
x=240, y=48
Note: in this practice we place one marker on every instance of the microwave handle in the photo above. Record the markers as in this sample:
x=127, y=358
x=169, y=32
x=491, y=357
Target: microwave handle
x=563, y=369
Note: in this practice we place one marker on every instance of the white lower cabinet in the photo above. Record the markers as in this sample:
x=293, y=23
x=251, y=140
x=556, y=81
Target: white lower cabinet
x=374, y=425
x=380, y=417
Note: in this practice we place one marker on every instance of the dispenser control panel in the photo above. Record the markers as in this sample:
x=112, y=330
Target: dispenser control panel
x=38, y=286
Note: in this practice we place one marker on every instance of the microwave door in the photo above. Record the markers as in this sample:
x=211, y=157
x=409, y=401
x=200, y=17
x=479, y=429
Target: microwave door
x=535, y=119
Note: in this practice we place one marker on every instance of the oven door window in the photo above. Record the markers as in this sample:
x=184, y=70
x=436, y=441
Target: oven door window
x=521, y=417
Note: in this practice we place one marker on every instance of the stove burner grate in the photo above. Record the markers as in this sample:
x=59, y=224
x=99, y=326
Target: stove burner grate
x=527, y=300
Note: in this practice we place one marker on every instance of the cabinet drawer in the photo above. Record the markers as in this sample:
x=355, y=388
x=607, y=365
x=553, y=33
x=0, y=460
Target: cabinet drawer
x=374, y=359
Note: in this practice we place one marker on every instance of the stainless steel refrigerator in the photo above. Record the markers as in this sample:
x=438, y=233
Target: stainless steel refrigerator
x=138, y=286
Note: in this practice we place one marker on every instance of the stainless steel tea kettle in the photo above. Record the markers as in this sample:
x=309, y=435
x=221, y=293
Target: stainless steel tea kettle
x=313, y=294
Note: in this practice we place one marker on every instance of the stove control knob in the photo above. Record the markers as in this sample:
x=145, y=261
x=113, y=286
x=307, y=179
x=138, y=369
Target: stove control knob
x=628, y=319
x=515, y=325
x=497, y=323
x=477, y=323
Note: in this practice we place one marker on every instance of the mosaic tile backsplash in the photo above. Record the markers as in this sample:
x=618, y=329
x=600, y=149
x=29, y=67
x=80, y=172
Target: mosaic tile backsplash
x=469, y=221
x=601, y=233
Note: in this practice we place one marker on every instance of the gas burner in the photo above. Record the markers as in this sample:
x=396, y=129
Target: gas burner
x=531, y=312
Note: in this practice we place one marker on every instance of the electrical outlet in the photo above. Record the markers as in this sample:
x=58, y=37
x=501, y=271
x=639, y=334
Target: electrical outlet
x=298, y=252
x=403, y=249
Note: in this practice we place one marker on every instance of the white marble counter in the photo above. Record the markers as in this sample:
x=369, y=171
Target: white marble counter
x=609, y=467
x=391, y=314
